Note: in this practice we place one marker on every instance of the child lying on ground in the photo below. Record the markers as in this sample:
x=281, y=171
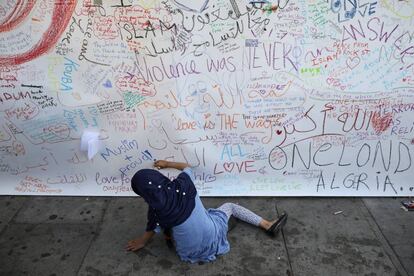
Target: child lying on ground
x=198, y=234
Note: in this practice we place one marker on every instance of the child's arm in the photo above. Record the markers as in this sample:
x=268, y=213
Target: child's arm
x=162, y=164
x=138, y=243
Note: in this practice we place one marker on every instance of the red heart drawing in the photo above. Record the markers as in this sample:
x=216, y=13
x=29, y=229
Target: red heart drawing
x=278, y=132
x=381, y=123
x=228, y=166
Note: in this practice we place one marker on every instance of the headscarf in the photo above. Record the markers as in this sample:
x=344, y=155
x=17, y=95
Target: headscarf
x=170, y=202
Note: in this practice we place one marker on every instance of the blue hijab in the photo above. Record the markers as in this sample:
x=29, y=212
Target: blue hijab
x=170, y=202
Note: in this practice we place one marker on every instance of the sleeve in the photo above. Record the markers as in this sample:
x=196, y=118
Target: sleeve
x=189, y=172
x=152, y=220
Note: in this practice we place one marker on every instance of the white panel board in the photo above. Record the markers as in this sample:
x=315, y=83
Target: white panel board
x=279, y=98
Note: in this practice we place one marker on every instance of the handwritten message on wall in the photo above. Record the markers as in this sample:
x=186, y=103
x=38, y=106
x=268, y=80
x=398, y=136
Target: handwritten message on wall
x=273, y=98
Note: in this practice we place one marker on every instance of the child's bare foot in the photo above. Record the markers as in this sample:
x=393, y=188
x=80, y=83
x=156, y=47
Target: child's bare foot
x=273, y=227
x=265, y=224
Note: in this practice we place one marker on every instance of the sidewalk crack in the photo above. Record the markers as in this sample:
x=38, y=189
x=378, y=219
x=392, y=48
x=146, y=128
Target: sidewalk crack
x=289, y=272
x=389, y=250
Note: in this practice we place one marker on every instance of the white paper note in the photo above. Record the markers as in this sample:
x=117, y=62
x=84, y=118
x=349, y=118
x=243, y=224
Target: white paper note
x=90, y=142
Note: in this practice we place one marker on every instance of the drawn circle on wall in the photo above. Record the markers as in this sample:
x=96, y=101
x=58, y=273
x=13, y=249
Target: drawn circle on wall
x=19, y=13
x=277, y=158
x=16, y=15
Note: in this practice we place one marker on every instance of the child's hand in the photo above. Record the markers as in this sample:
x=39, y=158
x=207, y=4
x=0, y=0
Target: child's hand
x=134, y=245
x=161, y=164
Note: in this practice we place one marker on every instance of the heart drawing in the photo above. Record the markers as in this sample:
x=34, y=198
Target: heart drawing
x=381, y=123
x=353, y=62
x=228, y=166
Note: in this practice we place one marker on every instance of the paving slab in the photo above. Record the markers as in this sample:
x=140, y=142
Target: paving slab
x=322, y=243
x=405, y=253
x=252, y=252
x=397, y=227
x=45, y=249
x=318, y=242
x=9, y=206
x=49, y=209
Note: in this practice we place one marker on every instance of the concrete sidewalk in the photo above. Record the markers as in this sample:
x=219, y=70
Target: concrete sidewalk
x=87, y=236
